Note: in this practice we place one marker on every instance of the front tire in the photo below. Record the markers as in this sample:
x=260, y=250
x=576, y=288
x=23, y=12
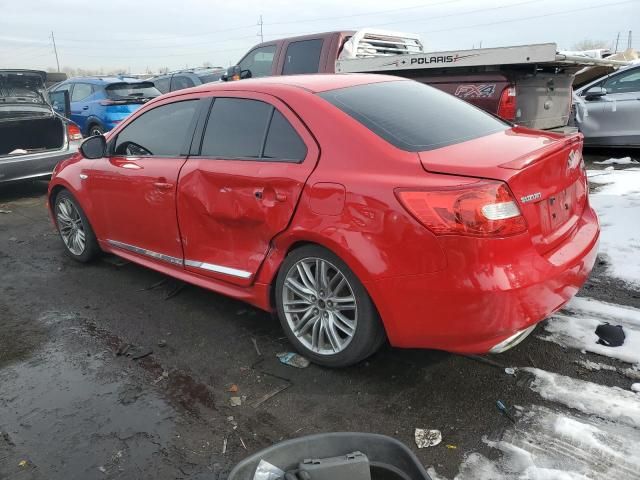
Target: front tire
x=75, y=231
x=325, y=310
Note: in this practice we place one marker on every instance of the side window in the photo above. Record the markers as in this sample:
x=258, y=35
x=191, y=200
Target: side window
x=61, y=87
x=160, y=132
x=302, y=57
x=250, y=129
x=259, y=61
x=624, y=83
x=236, y=128
x=178, y=82
x=81, y=91
x=283, y=142
x=162, y=84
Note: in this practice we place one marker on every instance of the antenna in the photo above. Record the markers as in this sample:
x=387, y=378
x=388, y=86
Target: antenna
x=260, y=23
x=55, y=50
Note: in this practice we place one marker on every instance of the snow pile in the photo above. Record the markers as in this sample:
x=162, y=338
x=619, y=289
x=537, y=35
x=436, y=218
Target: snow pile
x=578, y=330
x=617, y=161
x=612, y=403
x=617, y=202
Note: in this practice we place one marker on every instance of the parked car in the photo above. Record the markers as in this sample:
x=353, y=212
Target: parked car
x=359, y=207
x=33, y=136
x=608, y=109
x=181, y=79
x=99, y=103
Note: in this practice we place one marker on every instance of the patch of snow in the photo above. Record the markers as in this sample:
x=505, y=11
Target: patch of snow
x=611, y=403
x=636, y=387
x=578, y=329
x=616, y=202
x=548, y=444
x=595, y=366
x=617, y=161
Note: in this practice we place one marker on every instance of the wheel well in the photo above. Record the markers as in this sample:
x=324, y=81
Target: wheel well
x=54, y=194
x=272, y=289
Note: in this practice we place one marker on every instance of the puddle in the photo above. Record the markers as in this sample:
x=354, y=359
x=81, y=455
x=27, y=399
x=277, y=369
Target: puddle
x=53, y=404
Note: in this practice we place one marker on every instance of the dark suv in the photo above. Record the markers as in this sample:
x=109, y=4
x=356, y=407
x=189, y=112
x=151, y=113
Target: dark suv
x=173, y=81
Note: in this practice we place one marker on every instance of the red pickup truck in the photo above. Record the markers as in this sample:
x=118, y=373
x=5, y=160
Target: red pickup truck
x=528, y=85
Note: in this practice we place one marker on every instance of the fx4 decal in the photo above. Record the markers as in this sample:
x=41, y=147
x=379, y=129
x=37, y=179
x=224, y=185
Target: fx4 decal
x=483, y=90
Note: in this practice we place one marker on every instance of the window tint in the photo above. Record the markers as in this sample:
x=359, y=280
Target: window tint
x=624, y=82
x=302, y=57
x=162, y=84
x=236, y=128
x=123, y=90
x=283, y=143
x=413, y=116
x=178, y=82
x=161, y=131
x=81, y=91
x=259, y=61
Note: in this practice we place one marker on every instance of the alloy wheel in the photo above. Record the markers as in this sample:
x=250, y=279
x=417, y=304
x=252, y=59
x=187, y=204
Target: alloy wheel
x=320, y=306
x=70, y=226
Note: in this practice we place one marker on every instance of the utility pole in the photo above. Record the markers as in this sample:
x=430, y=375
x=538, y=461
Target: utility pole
x=260, y=23
x=55, y=50
x=617, y=40
x=629, y=40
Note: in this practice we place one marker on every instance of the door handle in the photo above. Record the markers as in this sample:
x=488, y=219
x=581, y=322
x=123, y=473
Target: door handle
x=86, y=107
x=163, y=185
x=281, y=197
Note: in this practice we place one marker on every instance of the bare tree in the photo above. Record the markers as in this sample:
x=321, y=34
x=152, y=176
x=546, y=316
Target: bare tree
x=589, y=44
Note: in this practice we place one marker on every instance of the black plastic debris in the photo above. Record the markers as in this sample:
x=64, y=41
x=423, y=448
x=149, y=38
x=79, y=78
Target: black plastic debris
x=610, y=335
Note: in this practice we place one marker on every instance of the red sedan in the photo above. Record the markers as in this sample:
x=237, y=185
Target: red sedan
x=359, y=207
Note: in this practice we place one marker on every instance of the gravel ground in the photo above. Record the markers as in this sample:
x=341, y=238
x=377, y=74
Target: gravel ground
x=77, y=402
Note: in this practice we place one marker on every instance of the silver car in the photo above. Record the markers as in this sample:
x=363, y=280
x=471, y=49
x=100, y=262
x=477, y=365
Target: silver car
x=608, y=109
x=34, y=131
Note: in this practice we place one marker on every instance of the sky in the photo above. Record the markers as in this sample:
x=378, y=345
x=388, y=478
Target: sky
x=136, y=36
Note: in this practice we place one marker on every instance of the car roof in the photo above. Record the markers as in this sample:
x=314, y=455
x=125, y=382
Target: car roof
x=105, y=80
x=311, y=82
x=193, y=71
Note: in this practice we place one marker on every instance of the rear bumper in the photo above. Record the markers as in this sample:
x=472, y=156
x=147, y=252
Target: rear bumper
x=25, y=167
x=490, y=291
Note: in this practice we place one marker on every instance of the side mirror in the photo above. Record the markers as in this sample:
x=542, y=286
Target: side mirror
x=60, y=102
x=595, y=93
x=94, y=147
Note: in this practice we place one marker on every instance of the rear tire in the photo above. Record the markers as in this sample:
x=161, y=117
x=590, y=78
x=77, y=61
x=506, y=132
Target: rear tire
x=95, y=130
x=325, y=310
x=75, y=231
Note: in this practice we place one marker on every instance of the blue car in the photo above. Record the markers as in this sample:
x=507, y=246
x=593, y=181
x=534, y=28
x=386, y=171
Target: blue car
x=98, y=104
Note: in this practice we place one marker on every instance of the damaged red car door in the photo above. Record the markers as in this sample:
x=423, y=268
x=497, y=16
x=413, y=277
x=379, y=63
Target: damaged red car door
x=241, y=186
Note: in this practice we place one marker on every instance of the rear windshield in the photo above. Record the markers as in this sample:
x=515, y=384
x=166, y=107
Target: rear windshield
x=132, y=90
x=413, y=116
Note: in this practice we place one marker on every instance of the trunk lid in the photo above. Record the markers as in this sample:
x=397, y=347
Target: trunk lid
x=543, y=170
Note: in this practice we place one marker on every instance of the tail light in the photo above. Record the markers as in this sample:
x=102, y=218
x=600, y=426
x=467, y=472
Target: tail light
x=507, y=105
x=73, y=132
x=482, y=209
